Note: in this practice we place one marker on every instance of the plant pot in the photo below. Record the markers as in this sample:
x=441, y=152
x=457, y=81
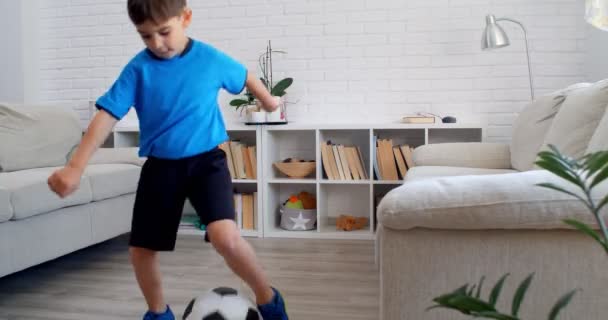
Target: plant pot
x=256, y=117
x=277, y=116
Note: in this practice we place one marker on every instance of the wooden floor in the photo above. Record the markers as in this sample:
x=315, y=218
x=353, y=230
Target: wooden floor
x=320, y=279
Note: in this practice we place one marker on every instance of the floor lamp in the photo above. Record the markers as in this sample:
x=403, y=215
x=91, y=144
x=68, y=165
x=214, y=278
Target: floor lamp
x=494, y=37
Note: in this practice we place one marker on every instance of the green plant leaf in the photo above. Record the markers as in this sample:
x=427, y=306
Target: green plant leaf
x=520, y=293
x=556, y=156
x=238, y=102
x=582, y=227
x=560, y=189
x=445, y=298
x=496, y=290
x=471, y=290
x=494, y=315
x=595, y=161
x=571, y=162
x=467, y=303
x=560, y=304
x=281, y=86
x=478, y=293
x=561, y=171
x=602, y=203
x=601, y=176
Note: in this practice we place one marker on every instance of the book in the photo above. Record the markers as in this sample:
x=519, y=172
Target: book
x=247, y=211
x=361, y=165
x=344, y=162
x=376, y=164
x=238, y=207
x=351, y=156
x=254, y=160
x=332, y=161
x=407, y=155
x=325, y=160
x=247, y=162
x=418, y=119
x=387, y=160
x=400, y=162
x=226, y=148
x=338, y=162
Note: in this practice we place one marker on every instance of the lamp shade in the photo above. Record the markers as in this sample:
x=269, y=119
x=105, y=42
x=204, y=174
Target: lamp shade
x=493, y=36
x=596, y=13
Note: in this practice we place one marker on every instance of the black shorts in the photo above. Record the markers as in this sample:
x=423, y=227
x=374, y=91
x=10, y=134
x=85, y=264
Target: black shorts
x=163, y=188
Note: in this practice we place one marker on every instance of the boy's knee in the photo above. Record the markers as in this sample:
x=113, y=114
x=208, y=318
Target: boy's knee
x=225, y=240
x=139, y=254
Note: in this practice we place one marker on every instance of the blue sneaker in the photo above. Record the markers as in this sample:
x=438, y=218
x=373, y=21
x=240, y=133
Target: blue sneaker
x=275, y=309
x=167, y=315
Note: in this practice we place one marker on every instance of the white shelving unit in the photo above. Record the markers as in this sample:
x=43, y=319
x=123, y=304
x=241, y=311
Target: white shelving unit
x=334, y=197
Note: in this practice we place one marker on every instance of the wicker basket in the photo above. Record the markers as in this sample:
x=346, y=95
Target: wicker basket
x=296, y=169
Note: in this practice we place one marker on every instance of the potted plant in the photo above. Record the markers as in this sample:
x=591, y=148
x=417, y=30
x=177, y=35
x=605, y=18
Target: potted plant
x=254, y=112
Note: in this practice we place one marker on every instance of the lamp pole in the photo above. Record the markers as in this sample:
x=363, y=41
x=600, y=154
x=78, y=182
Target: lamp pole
x=527, y=51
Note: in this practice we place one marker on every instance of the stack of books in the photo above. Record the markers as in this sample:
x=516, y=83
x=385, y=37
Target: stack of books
x=242, y=161
x=418, y=119
x=342, y=162
x=245, y=205
x=391, y=162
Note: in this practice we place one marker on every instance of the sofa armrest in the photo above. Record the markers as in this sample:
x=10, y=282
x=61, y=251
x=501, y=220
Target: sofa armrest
x=117, y=155
x=472, y=155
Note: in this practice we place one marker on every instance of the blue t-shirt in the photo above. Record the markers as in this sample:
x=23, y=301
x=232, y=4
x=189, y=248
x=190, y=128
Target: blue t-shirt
x=176, y=99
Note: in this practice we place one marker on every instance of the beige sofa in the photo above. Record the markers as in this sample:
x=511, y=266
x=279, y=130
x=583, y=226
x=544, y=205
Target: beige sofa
x=474, y=209
x=35, y=224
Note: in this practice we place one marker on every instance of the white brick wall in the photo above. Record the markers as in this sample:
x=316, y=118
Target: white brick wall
x=352, y=60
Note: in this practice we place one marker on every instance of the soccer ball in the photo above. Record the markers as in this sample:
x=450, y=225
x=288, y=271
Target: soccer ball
x=221, y=304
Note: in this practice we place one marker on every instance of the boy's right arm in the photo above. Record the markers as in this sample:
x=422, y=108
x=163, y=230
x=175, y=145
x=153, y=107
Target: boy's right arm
x=66, y=180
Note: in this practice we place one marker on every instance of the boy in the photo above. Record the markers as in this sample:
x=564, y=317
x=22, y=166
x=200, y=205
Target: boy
x=173, y=85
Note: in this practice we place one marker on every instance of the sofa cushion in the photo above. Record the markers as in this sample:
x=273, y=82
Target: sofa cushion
x=599, y=140
x=502, y=201
x=530, y=128
x=35, y=137
x=30, y=194
x=112, y=180
x=424, y=172
x=6, y=209
x=468, y=154
x=578, y=119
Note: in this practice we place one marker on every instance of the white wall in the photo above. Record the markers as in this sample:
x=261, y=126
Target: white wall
x=597, y=51
x=352, y=60
x=11, y=64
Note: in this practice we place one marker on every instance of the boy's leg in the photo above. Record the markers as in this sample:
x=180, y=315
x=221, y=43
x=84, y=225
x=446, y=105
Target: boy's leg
x=158, y=207
x=147, y=272
x=211, y=195
x=240, y=257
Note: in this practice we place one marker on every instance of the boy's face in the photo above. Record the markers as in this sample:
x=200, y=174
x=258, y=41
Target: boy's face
x=166, y=39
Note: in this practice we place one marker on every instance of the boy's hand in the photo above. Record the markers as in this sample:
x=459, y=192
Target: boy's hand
x=275, y=104
x=65, y=180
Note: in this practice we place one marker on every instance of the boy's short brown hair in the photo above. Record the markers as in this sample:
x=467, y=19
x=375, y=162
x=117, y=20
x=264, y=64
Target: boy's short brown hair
x=155, y=10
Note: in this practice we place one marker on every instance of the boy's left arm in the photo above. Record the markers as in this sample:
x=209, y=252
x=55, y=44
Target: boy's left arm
x=257, y=88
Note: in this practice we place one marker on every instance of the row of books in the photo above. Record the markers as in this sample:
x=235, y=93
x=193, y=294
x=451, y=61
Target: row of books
x=242, y=161
x=342, y=162
x=245, y=205
x=391, y=162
